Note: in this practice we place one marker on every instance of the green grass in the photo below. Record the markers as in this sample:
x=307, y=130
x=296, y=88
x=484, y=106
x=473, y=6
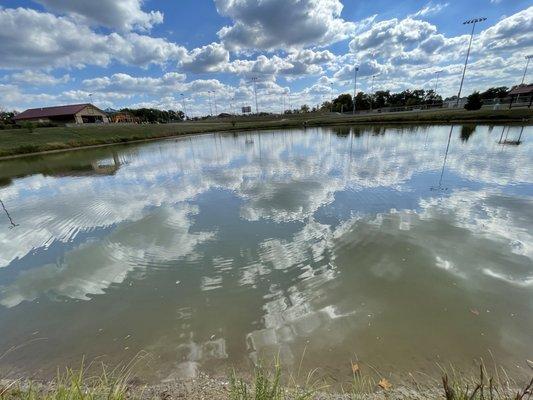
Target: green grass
x=267, y=384
x=72, y=385
x=274, y=384
x=21, y=141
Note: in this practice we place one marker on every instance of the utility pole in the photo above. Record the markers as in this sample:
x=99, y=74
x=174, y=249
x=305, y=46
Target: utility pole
x=332, y=99
x=356, y=69
x=437, y=73
x=254, y=80
x=527, y=65
x=215, y=100
x=184, y=106
x=372, y=92
x=473, y=22
x=232, y=105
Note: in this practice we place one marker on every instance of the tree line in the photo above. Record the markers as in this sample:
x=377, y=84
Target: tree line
x=153, y=115
x=386, y=99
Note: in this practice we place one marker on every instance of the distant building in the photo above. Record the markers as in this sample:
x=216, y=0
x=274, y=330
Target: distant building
x=123, y=117
x=521, y=95
x=452, y=102
x=71, y=114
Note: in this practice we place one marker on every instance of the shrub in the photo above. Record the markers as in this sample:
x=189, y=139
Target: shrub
x=474, y=102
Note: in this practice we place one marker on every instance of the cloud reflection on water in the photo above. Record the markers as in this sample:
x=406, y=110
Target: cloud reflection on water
x=319, y=270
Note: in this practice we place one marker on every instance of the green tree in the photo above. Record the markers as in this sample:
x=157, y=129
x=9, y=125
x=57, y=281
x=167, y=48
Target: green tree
x=362, y=101
x=474, y=101
x=343, y=102
x=495, y=92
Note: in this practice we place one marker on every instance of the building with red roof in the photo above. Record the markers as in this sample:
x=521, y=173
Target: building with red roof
x=75, y=114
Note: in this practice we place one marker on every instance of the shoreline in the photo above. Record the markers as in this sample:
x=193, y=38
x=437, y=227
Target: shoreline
x=62, y=139
x=204, y=387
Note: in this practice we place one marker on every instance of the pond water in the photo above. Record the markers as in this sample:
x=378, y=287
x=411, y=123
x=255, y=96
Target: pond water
x=402, y=248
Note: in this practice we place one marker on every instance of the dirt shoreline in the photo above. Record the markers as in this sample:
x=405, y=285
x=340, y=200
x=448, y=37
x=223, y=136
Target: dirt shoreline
x=205, y=387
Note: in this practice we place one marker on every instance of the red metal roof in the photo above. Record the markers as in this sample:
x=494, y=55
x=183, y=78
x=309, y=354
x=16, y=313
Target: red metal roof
x=51, y=111
x=522, y=89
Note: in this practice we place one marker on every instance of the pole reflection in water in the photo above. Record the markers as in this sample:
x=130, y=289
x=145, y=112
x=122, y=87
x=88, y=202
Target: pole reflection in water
x=13, y=225
x=506, y=141
x=440, y=187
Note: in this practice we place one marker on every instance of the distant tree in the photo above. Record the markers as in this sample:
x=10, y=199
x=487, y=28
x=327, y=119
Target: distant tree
x=326, y=106
x=474, y=101
x=153, y=115
x=495, y=92
x=362, y=101
x=304, y=108
x=431, y=97
x=6, y=117
x=381, y=99
x=343, y=102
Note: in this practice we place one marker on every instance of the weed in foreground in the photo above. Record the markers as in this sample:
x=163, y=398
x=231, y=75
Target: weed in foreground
x=484, y=389
x=75, y=385
x=267, y=386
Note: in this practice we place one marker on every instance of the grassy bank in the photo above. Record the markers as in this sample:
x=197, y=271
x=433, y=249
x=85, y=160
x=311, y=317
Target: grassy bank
x=266, y=384
x=21, y=141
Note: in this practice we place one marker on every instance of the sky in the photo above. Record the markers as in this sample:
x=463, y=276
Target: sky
x=202, y=55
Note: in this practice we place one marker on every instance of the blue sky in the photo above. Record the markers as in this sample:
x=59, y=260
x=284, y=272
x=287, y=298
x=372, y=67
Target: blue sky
x=119, y=53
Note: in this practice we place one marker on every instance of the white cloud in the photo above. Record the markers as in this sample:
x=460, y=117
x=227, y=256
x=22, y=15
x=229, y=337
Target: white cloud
x=274, y=24
x=210, y=58
x=430, y=9
x=127, y=84
x=30, y=39
x=37, y=78
x=123, y=15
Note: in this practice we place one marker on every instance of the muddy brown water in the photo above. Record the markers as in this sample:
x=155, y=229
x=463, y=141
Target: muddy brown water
x=403, y=248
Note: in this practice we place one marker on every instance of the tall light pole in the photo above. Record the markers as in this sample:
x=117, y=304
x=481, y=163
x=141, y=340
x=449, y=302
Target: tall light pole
x=437, y=73
x=356, y=69
x=215, y=100
x=331, y=108
x=232, y=105
x=254, y=81
x=210, y=104
x=372, y=92
x=473, y=22
x=184, y=106
x=527, y=65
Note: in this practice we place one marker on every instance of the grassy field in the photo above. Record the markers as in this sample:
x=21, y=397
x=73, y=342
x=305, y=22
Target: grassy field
x=21, y=141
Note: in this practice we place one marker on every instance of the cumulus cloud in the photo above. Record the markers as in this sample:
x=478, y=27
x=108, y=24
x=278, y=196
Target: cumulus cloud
x=124, y=83
x=210, y=58
x=30, y=39
x=274, y=24
x=37, y=78
x=123, y=15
